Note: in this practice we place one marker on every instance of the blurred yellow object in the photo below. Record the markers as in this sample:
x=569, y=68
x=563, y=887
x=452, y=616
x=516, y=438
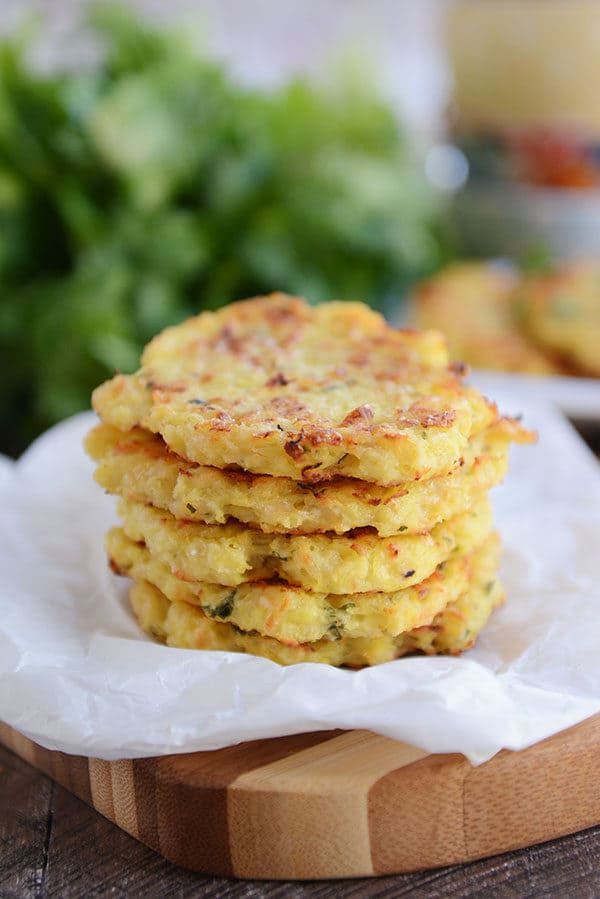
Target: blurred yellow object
x=561, y=311
x=471, y=302
x=543, y=323
x=523, y=63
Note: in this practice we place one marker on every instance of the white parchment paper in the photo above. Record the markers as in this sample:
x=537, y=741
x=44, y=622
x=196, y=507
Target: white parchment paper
x=76, y=674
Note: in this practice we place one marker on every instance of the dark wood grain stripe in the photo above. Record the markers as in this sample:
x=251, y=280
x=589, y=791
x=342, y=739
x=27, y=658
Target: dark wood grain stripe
x=416, y=815
x=79, y=777
x=57, y=765
x=71, y=771
x=144, y=784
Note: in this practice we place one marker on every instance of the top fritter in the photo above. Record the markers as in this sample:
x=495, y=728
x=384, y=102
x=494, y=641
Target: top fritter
x=274, y=386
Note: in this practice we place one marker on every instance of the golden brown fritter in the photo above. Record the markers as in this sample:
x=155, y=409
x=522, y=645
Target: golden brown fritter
x=138, y=466
x=274, y=386
x=473, y=304
x=292, y=614
x=231, y=554
x=453, y=630
x=561, y=312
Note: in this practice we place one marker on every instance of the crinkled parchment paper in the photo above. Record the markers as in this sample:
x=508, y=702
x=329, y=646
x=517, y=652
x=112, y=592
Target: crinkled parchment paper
x=77, y=675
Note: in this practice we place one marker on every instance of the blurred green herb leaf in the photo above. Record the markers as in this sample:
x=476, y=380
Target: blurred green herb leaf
x=150, y=186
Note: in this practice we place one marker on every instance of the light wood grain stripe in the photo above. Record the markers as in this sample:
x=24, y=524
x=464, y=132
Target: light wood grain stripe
x=6, y=736
x=23, y=747
x=306, y=816
x=123, y=792
x=536, y=807
x=101, y=787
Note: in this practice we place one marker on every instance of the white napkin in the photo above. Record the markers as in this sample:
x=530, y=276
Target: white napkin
x=76, y=673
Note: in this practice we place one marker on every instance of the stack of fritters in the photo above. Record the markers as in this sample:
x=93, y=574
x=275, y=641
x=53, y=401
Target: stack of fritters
x=305, y=484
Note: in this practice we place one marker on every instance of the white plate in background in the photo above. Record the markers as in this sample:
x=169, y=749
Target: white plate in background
x=579, y=398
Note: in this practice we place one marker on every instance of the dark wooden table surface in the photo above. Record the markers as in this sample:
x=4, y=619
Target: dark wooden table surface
x=53, y=845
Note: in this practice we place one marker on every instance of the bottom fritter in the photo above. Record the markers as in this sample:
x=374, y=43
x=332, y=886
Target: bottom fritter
x=453, y=630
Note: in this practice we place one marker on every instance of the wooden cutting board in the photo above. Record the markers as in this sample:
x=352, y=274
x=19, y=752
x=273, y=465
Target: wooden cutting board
x=336, y=804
